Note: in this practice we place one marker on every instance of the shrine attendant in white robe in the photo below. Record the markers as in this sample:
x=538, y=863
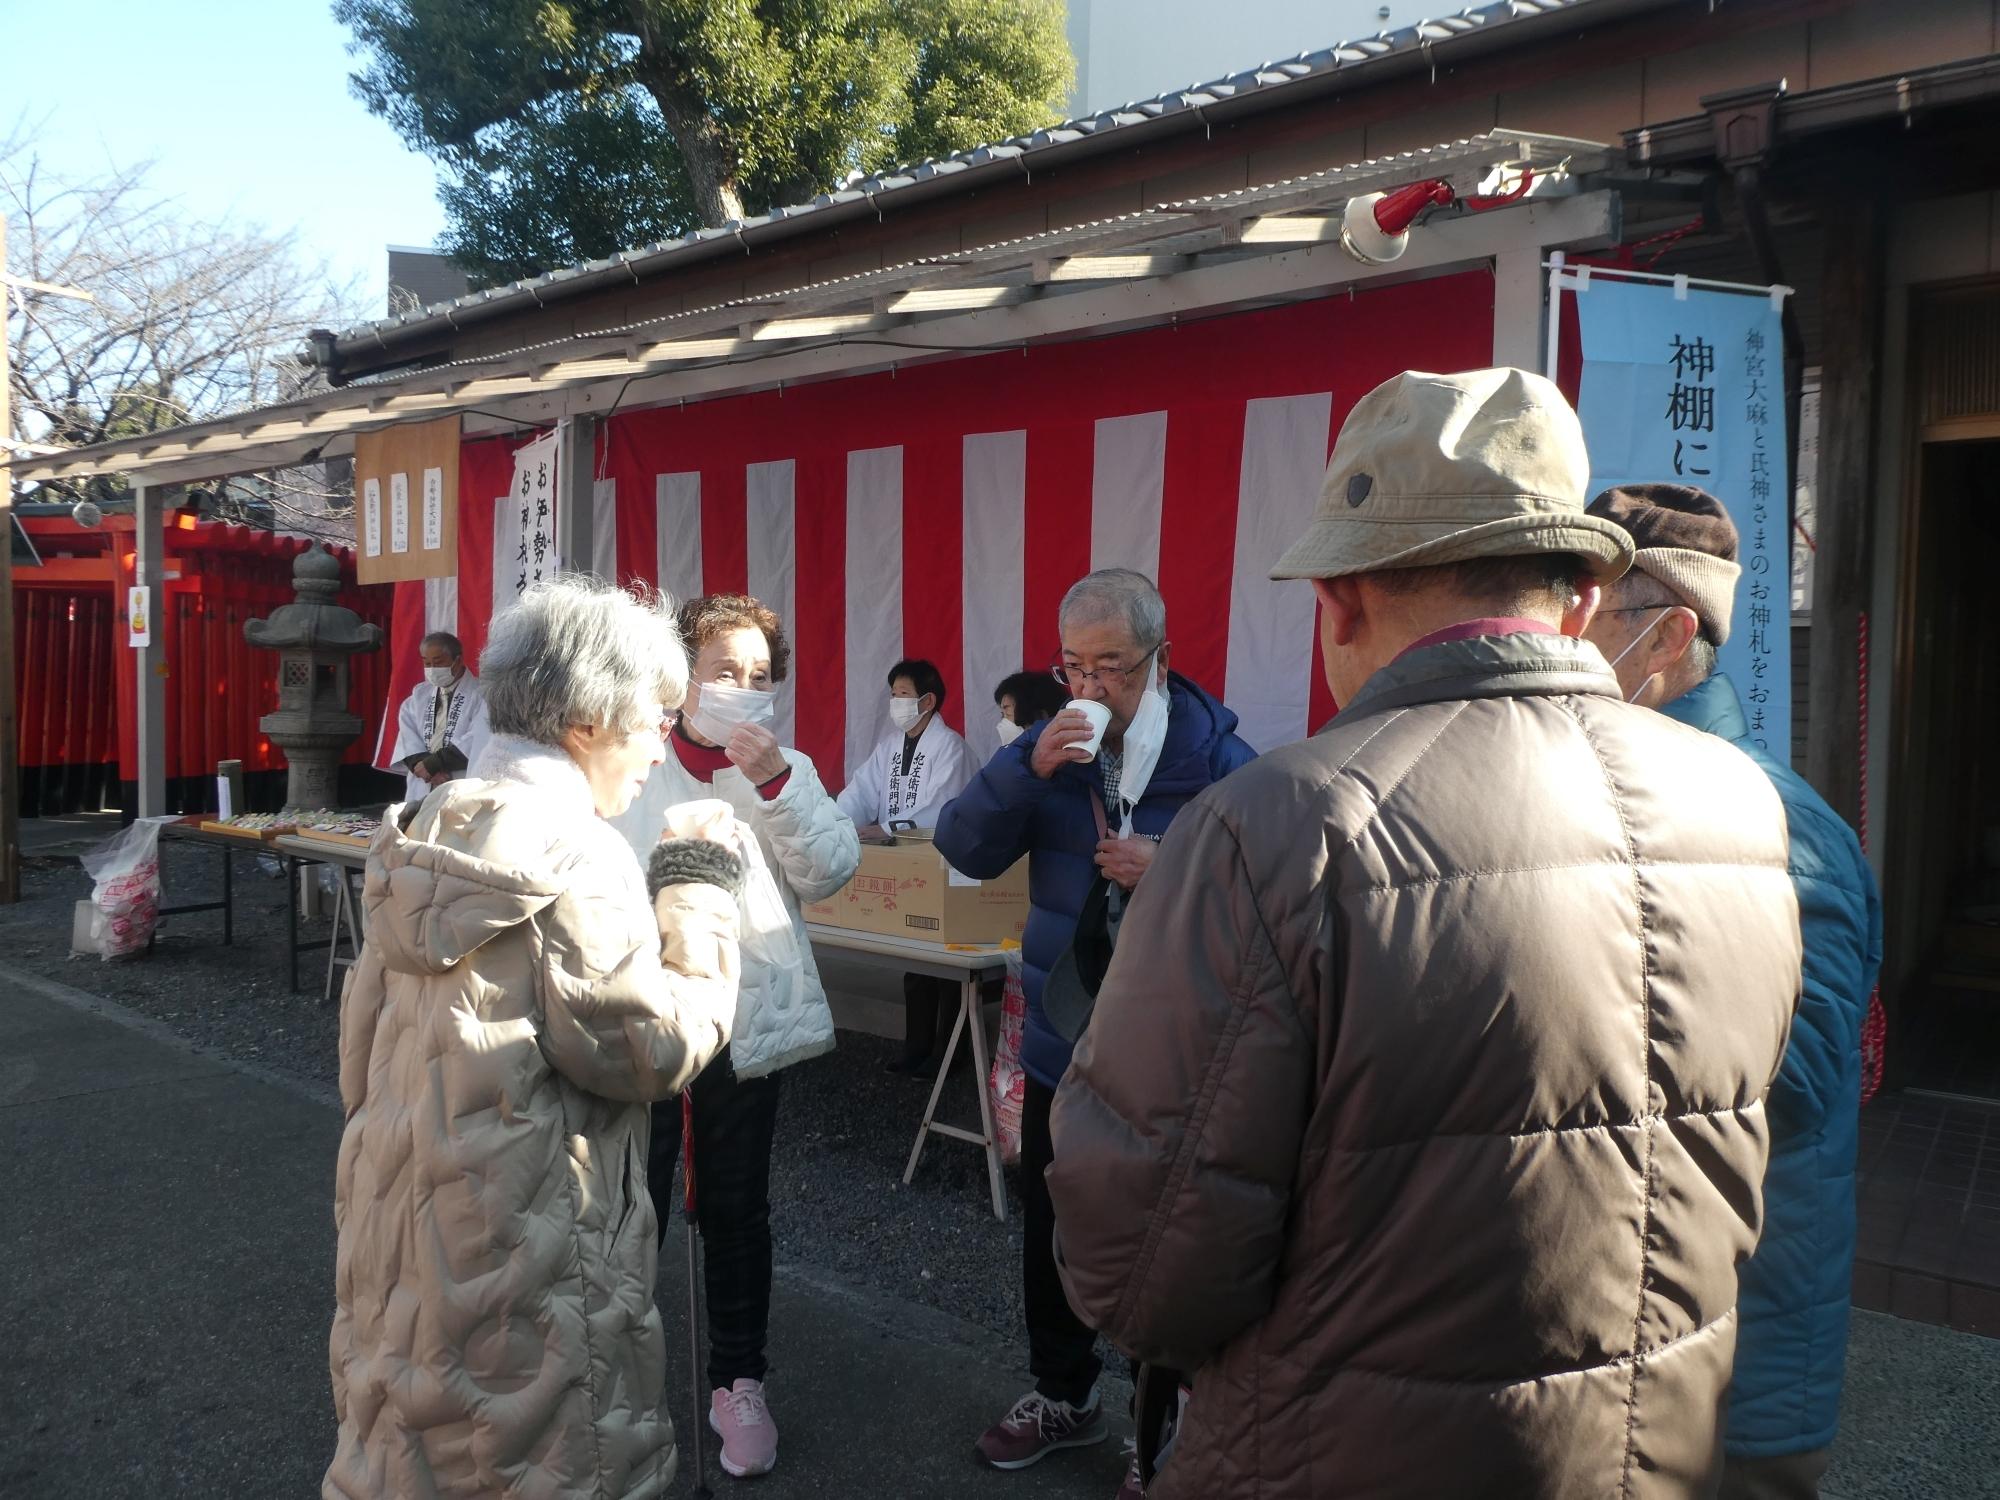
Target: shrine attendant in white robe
x=441, y=727
x=919, y=766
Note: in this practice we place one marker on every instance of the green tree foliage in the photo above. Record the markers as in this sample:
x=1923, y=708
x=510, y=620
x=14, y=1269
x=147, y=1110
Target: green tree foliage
x=568, y=129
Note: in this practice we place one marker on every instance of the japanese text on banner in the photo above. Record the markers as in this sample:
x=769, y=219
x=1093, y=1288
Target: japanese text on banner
x=526, y=522
x=1689, y=389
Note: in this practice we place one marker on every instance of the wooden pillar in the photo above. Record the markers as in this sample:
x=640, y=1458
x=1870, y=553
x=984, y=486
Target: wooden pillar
x=151, y=661
x=576, y=510
x=1520, y=314
x=1852, y=296
x=10, y=768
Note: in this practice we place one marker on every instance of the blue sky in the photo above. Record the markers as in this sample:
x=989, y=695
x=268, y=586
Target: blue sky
x=243, y=108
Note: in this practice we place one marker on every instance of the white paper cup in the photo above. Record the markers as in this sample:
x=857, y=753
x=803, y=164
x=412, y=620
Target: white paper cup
x=1099, y=715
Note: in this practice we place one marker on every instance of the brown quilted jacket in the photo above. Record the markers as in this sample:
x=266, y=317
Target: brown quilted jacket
x=1422, y=1110
x=517, y=1005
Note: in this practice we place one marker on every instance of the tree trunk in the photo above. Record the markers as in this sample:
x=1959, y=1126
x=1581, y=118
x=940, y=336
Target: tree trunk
x=711, y=170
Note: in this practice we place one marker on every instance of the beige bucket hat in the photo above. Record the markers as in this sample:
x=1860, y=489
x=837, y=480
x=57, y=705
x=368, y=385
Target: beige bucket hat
x=1434, y=469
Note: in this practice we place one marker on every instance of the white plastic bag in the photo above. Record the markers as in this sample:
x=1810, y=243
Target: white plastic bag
x=125, y=897
x=1007, y=1083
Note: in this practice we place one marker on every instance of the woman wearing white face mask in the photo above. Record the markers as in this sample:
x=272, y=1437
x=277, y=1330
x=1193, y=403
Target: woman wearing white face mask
x=915, y=769
x=1026, y=698
x=918, y=766
x=441, y=727
x=797, y=846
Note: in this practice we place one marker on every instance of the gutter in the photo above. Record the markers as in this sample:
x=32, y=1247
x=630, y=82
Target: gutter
x=377, y=347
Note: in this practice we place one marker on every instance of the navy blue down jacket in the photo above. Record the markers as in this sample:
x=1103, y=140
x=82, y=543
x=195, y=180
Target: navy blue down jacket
x=1791, y=1341
x=1008, y=811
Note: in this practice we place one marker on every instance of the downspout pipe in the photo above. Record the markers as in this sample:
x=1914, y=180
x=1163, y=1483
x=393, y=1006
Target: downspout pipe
x=1745, y=125
x=1757, y=227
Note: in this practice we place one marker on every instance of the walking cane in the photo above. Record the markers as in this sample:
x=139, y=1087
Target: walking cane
x=697, y=1431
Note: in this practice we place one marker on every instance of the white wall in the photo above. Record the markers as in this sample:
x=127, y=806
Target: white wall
x=1127, y=50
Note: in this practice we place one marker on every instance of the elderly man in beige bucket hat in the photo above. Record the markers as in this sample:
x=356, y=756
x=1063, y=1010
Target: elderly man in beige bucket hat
x=1421, y=1115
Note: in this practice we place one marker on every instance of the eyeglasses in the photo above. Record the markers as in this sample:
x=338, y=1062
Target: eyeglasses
x=1642, y=609
x=1112, y=677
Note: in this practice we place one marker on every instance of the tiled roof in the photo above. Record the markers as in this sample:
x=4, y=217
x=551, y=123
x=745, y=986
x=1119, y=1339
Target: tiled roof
x=1418, y=39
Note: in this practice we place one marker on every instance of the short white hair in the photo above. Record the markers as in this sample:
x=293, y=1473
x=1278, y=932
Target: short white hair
x=1117, y=594
x=580, y=652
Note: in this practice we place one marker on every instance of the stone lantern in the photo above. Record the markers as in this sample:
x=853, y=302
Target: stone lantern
x=313, y=636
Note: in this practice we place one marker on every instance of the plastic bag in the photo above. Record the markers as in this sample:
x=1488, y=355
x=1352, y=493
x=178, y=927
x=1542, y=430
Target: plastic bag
x=125, y=895
x=1007, y=1083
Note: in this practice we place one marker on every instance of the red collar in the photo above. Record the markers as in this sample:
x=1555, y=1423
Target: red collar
x=700, y=761
x=1465, y=630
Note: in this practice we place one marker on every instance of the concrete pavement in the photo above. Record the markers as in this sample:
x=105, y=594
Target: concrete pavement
x=166, y=1281
x=166, y=1275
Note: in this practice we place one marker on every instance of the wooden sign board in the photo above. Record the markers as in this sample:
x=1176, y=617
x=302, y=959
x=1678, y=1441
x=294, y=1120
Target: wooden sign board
x=406, y=502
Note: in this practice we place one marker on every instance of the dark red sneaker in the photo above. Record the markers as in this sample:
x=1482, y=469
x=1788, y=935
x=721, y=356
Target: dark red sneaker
x=1131, y=1489
x=1037, y=1426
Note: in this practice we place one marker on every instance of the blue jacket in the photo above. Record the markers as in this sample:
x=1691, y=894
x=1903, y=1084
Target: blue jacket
x=1008, y=811
x=1791, y=1345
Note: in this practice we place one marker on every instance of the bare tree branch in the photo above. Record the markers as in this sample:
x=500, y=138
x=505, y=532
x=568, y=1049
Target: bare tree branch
x=191, y=320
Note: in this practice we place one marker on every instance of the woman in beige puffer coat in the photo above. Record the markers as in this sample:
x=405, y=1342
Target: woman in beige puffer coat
x=518, y=1004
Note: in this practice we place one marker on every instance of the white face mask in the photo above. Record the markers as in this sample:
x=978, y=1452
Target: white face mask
x=1145, y=737
x=904, y=713
x=719, y=709
x=1635, y=641
x=439, y=677
x=1008, y=731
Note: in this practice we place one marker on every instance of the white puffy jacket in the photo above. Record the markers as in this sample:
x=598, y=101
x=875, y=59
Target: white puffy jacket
x=806, y=849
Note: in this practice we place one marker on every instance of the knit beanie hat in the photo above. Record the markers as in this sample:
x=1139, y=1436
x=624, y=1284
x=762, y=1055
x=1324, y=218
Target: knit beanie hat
x=1685, y=540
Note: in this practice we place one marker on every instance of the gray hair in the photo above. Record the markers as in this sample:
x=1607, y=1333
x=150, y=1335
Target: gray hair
x=1700, y=659
x=580, y=652
x=445, y=639
x=1117, y=594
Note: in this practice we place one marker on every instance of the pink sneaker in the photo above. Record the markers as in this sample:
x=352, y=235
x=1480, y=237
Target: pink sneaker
x=742, y=1420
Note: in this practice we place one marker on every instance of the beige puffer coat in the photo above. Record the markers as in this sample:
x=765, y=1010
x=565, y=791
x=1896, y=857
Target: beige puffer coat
x=1421, y=1114
x=517, y=1005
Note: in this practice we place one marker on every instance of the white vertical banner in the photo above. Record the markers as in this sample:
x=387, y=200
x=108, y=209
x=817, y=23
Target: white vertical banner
x=441, y=605
x=677, y=504
x=604, y=529
x=371, y=517
x=524, y=526
x=874, y=595
x=995, y=500
x=771, y=557
x=1269, y=677
x=1128, y=479
x=399, y=512
x=433, y=509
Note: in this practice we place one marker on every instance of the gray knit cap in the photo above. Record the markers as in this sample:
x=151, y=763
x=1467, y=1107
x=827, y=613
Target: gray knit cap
x=1685, y=540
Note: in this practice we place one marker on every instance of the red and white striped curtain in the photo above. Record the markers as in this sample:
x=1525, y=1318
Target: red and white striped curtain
x=941, y=511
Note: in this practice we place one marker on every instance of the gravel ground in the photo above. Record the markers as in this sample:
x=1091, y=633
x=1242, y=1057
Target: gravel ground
x=844, y=1126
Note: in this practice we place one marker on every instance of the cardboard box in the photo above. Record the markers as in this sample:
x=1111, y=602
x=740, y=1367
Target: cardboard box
x=910, y=892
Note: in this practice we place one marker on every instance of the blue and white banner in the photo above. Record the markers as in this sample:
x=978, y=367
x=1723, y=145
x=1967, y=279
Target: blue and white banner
x=1686, y=386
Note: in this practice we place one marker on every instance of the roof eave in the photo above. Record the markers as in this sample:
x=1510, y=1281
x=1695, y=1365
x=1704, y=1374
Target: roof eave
x=1894, y=97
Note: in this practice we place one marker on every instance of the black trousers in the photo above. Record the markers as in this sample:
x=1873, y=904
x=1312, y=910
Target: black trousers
x=1062, y=1348
x=734, y=1121
x=930, y=1006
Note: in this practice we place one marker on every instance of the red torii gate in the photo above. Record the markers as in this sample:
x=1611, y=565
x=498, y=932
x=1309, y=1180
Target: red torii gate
x=77, y=687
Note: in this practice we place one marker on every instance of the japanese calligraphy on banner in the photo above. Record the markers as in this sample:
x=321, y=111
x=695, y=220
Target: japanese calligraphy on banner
x=1686, y=386
x=525, y=524
x=397, y=470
